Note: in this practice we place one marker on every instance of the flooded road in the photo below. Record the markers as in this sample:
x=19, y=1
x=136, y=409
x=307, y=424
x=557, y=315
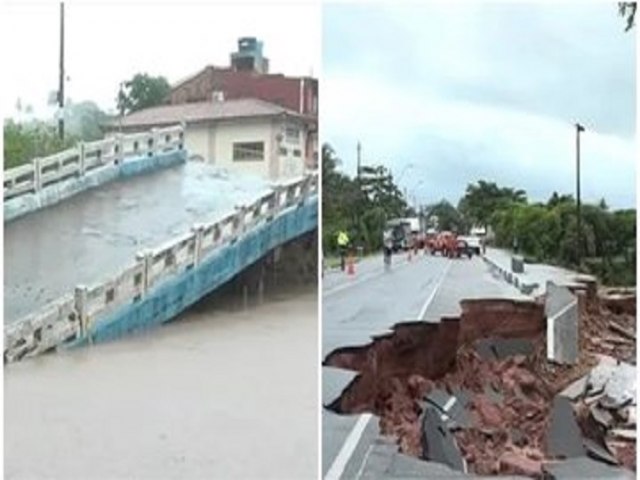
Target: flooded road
x=91, y=236
x=217, y=394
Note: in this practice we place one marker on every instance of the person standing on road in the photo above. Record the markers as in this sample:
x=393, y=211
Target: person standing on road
x=387, y=246
x=343, y=243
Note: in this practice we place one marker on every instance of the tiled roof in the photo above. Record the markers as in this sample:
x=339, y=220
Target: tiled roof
x=202, y=111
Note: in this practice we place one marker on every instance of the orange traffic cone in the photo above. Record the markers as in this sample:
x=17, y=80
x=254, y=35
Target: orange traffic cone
x=351, y=268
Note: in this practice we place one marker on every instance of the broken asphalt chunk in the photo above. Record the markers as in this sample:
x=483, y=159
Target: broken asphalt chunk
x=438, y=444
x=599, y=452
x=585, y=468
x=602, y=416
x=576, y=390
x=564, y=438
x=495, y=348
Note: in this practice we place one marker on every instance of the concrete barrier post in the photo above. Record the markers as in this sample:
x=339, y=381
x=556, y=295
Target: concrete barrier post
x=145, y=259
x=305, y=188
x=80, y=305
x=120, y=146
x=239, y=222
x=81, y=159
x=198, y=230
x=153, y=142
x=182, y=134
x=37, y=175
x=561, y=309
x=274, y=205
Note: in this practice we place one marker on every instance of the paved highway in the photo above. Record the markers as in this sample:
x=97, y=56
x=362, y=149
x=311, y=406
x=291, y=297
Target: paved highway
x=220, y=393
x=91, y=236
x=370, y=303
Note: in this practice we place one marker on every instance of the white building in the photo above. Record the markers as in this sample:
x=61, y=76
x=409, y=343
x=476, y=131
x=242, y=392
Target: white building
x=244, y=135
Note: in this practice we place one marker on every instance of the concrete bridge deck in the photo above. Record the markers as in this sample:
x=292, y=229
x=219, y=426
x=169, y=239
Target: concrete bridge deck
x=92, y=235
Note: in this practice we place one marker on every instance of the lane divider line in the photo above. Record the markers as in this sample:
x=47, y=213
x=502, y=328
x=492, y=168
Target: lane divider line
x=349, y=446
x=342, y=459
x=423, y=311
x=374, y=274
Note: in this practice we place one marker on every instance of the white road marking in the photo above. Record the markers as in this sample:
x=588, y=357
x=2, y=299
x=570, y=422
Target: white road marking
x=447, y=406
x=423, y=311
x=364, y=462
x=376, y=273
x=349, y=446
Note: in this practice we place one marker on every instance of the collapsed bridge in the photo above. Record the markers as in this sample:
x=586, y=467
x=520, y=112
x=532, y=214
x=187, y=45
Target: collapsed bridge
x=125, y=233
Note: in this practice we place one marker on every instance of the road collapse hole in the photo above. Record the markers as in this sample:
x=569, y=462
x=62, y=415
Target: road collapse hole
x=470, y=391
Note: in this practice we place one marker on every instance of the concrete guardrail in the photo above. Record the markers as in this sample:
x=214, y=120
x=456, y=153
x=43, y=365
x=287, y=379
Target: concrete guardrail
x=74, y=318
x=509, y=276
x=85, y=157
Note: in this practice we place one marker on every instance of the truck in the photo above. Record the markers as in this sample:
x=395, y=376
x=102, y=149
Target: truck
x=448, y=244
x=405, y=232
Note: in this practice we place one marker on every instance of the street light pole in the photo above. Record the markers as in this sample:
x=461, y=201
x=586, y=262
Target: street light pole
x=61, y=86
x=579, y=128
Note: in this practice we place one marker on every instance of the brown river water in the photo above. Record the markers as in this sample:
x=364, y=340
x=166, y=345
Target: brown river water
x=221, y=393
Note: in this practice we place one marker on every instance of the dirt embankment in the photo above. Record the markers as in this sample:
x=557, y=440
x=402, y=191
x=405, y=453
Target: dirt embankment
x=507, y=395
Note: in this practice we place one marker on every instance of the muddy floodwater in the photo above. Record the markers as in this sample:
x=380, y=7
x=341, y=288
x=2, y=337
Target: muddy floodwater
x=221, y=393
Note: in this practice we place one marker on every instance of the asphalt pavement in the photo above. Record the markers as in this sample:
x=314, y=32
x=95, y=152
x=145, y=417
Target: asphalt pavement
x=360, y=306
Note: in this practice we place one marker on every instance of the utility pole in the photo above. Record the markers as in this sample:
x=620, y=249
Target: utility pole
x=579, y=128
x=61, y=86
x=358, y=171
x=359, y=187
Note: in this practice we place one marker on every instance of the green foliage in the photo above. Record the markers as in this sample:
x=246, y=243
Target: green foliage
x=360, y=206
x=24, y=142
x=84, y=120
x=445, y=217
x=548, y=233
x=481, y=200
x=37, y=138
x=628, y=11
x=142, y=91
x=543, y=232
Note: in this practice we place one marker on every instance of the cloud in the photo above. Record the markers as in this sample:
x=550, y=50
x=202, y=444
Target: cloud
x=451, y=143
x=107, y=43
x=469, y=92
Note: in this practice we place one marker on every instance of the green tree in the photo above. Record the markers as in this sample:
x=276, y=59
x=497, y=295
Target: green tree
x=24, y=142
x=448, y=218
x=84, y=120
x=361, y=206
x=482, y=200
x=628, y=11
x=142, y=91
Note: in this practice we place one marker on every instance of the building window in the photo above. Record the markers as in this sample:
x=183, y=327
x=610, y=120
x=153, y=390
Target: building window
x=296, y=152
x=283, y=151
x=292, y=134
x=248, y=151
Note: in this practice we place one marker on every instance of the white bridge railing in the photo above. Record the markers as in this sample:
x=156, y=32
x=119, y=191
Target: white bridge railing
x=84, y=157
x=70, y=317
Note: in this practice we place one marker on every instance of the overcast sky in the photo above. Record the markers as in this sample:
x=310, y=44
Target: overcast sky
x=106, y=44
x=471, y=91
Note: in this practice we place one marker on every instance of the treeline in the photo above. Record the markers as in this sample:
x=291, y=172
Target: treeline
x=359, y=206
x=542, y=231
x=547, y=232
x=26, y=140
x=83, y=121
